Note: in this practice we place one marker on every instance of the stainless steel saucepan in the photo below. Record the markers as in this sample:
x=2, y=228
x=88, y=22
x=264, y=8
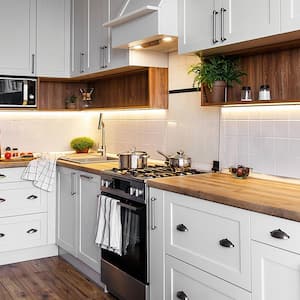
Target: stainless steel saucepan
x=178, y=160
x=133, y=160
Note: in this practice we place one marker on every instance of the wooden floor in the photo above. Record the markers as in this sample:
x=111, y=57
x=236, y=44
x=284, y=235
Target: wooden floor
x=48, y=278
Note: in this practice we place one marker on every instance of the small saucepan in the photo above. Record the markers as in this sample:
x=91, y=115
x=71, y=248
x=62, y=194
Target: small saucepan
x=178, y=160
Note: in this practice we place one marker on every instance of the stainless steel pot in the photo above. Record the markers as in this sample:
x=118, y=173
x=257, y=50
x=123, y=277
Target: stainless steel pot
x=177, y=161
x=133, y=160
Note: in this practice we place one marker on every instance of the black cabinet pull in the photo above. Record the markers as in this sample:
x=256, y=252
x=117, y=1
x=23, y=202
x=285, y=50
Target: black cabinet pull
x=31, y=231
x=31, y=197
x=279, y=234
x=2, y=176
x=182, y=228
x=182, y=295
x=226, y=243
x=2, y=235
x=2, y=200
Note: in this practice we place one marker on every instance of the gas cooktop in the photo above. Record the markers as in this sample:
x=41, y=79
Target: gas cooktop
x=152, y=172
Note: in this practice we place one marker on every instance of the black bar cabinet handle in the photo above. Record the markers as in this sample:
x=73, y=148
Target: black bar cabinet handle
x=2, y=235
x=182, y=228
x=2, y=200
x=31, y=231
x=226, y=243
x=279, y=234
x=182, y=295
x=2, y=176
x=31, y=197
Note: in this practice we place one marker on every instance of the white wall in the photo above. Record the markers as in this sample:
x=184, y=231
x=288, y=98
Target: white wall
x=185, y=125
x=264, y=138
x=44, y=131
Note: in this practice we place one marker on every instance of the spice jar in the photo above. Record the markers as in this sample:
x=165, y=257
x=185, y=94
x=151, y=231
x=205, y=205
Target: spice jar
x=264, y=92
x=246, y=93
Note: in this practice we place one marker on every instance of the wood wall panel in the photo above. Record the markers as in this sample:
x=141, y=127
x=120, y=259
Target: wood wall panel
x=279, y=69
x=145, y=88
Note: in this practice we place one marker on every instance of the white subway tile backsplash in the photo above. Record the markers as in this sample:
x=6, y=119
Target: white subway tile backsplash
x=272, y=144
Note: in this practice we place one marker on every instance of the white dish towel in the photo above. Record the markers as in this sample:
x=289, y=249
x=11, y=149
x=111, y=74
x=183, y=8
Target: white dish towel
x=109, y=233
x=42, y=172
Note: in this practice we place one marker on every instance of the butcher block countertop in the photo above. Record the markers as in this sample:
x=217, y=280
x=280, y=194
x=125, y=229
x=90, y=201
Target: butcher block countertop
x=94, y=168
x=264, y=196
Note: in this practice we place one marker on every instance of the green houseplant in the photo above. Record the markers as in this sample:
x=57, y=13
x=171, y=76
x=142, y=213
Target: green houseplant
x=70, y=102
x=215, y=74
x=82, y=144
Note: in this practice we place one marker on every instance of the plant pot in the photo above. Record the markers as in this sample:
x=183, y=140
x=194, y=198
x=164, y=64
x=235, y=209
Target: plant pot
x=218, y=93
x=82, y=151
x=71, y=105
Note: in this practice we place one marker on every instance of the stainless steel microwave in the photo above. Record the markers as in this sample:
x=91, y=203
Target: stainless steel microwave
x=18, y=91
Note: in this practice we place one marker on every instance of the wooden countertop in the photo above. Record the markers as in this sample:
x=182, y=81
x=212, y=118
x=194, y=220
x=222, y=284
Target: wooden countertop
x=94, y=168
x=264, y=196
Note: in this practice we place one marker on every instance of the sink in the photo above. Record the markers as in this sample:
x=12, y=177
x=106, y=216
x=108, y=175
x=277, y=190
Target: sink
x=87, y=158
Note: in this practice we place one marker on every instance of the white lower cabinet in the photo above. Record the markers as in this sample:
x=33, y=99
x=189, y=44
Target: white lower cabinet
x=210, y=236
x=188, y=283
x=275, y=273
x=88, y=251
x=77, y=215
x=27, y=219
x=23, y=232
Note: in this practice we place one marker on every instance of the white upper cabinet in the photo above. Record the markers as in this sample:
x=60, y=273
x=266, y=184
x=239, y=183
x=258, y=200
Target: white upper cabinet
x=290, y=15
x=213, y=23
x=53, y=38
x=18, y=25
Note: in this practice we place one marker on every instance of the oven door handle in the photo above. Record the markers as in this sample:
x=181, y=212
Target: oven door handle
x=128, y=206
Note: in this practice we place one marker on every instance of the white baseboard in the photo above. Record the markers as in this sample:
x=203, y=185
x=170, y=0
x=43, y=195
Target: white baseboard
x=11, y=257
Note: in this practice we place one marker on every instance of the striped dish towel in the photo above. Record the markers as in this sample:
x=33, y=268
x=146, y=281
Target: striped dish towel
x=42, y=172
x=109, y=233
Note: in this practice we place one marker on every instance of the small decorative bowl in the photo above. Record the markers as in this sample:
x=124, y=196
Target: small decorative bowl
x=239, y=171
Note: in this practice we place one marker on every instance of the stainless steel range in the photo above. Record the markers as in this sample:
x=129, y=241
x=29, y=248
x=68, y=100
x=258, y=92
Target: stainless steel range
x=127, y=276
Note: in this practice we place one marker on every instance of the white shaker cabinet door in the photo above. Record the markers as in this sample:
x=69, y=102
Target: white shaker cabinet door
x=53, y=37
x=247, y=20
x=195, y=25
x=275, y=273
x=290, y=15
x=67, y=210
x=18, y=37
x=88, y=189
x=157, y=244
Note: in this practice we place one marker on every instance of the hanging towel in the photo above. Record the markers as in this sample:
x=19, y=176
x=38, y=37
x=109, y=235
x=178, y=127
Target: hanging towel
x=131, y=230
x=109, y=233
x=42, y=172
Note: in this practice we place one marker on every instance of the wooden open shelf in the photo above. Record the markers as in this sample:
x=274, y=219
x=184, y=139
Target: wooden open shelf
x=279, y=69
x=136, y=88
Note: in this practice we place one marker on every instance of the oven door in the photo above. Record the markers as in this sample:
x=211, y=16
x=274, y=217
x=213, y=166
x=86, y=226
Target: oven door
x=133, y=260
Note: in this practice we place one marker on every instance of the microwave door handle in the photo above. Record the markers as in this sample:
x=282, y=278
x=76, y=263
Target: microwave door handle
x=25, y=92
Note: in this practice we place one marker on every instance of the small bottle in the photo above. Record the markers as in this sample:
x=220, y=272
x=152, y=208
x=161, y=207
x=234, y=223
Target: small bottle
x=246, y=93
x=264, y=92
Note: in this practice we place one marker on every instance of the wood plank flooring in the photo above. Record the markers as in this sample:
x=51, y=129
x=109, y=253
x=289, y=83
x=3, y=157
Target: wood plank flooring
x=48, y=278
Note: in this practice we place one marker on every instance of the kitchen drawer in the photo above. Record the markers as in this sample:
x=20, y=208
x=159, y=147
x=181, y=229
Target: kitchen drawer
x=23, y=232
x=21, y=198
x=262, y=226
x=207, y=224
x=11, y=174
x=183, y=279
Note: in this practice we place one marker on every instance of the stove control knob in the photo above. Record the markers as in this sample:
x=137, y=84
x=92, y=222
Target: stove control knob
x=138, y=192
x=102, y=182
x=132, y=191
x=107, y=183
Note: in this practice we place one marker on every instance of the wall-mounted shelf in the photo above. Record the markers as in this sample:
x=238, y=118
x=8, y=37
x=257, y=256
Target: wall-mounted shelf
x=279, y=69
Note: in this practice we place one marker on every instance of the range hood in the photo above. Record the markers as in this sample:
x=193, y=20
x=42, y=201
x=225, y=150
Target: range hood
x=147, y=24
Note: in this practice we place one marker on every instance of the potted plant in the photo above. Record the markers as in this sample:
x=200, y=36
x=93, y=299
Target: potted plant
x=70, y=102
x=215, y=74
x=82, y=144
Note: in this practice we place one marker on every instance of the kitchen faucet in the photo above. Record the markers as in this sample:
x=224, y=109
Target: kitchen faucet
x=102, y=148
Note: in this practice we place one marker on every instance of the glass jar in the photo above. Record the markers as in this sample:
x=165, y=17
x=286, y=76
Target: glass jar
x=246, y=93
x=264, y=92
